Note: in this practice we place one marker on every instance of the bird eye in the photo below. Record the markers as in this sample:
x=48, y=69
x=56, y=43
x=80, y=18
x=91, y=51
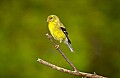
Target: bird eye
x=50, y=17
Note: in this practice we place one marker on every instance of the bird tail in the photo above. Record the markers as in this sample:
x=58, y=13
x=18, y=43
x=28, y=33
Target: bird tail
x=69, y=45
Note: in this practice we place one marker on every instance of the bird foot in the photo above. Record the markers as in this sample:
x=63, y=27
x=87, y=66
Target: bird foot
x=56, y=46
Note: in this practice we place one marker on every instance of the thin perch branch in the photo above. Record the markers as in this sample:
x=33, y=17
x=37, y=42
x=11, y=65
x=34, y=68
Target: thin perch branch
x=75, y=72
x=85, y=75
x=59, y=50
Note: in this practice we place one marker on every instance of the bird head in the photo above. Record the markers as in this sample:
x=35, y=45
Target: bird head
x=52, y=18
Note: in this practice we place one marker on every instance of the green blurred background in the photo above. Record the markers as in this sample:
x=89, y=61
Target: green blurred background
x=93, y=27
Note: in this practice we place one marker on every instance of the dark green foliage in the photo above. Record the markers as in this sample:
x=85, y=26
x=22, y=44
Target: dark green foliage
x=93, y=27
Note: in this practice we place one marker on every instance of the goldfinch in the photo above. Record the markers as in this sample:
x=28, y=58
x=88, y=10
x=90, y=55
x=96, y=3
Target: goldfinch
x=58, y=30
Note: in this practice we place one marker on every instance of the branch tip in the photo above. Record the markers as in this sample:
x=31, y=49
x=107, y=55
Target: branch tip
x=47, y=34
x=38, y=59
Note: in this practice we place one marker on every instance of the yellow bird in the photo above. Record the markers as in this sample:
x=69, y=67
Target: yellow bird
x=58, y=30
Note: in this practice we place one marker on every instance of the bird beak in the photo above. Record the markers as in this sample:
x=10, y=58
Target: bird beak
x=47, y=20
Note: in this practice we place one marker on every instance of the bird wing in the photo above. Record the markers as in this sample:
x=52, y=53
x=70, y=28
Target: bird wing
x=66, y=33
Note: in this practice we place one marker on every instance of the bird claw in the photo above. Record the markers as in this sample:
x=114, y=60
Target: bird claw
x=56, y=46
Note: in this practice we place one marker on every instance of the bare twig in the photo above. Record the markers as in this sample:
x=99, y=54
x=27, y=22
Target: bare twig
x=75, y=72
x=59, y=50
x=82, y=74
